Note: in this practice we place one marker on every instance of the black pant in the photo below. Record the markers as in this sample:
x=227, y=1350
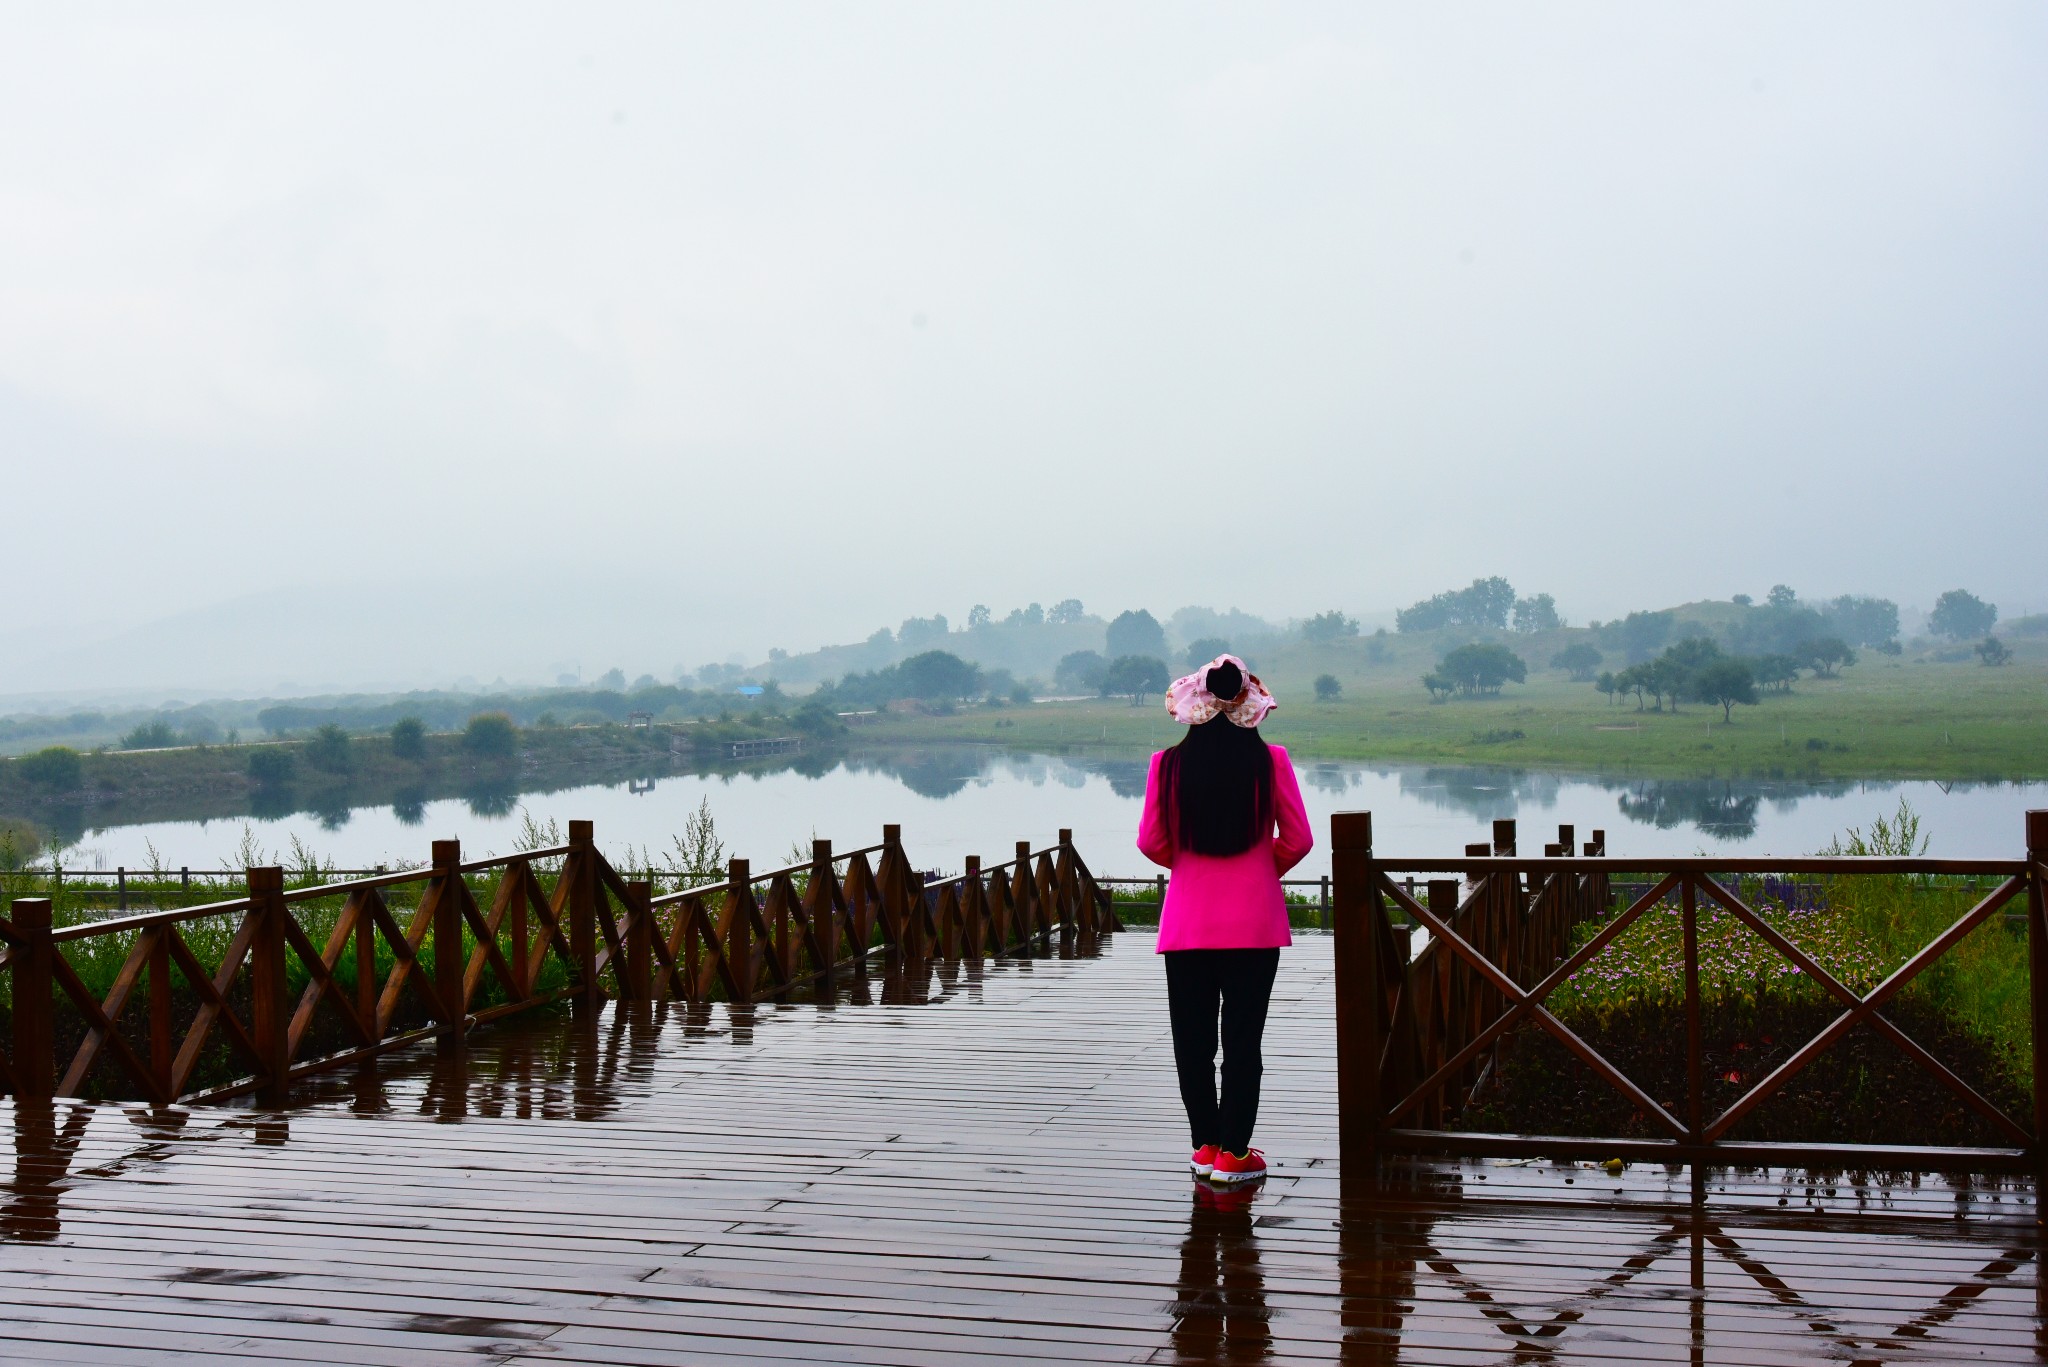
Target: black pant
x=1243, y=981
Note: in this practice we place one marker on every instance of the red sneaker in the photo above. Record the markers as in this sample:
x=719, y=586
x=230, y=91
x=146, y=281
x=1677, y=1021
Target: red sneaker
x=1203, y=1160
x=1229, y=1167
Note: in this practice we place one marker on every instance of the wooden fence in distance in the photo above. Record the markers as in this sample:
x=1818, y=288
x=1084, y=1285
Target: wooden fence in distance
x=1414, y=1038
x=753, y=937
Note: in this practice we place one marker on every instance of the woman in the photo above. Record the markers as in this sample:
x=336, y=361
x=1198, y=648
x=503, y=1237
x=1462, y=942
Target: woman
x=1212, y=805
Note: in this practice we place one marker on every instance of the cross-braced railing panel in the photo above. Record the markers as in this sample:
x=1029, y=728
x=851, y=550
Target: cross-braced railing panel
x=1418, y=1036
x=301, y=979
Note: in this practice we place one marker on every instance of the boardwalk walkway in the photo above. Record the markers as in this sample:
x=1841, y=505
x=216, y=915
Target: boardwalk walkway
x=989, y=1177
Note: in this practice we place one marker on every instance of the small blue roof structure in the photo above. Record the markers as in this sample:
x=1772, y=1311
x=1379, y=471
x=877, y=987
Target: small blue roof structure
x=748, y=690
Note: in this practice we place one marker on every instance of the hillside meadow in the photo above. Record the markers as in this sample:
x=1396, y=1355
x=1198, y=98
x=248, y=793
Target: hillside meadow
x=1881, y=718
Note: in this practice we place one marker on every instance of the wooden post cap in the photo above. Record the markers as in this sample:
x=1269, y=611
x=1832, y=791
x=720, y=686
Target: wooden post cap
x=1592, y=848
x=1023, y=850
x=641, y=889
x=1504, y=835
x=30, y=913
x=1600, y=837
x=740, y=870
x=821, y=851
x=580, y=832
x=447, y=853
x=892, y=835
x=1351, y=831
x=1478, y=851
x=2037, y=833
x=263, y=880
x=1556, y=851
x=1568, y=836
x=1066, y=836
x=973, y=865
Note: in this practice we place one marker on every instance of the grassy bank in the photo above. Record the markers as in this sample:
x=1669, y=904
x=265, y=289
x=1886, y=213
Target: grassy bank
x=1879, y=720
x=212, y=781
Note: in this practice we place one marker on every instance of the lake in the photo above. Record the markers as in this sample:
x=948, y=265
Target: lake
x=961, y=800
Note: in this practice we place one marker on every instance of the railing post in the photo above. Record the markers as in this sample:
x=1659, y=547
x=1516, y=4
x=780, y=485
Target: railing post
x=823, y=910
x=739, y=935
x=35, y=1046
x=1695, y=1082
x=581, y=871
x=449, y=960
x=637, y=982
x=121, y=885
x=269, y=1006
x=894, y=892
x=162, y=1046
x=2037, y=976
x=1360, y=1108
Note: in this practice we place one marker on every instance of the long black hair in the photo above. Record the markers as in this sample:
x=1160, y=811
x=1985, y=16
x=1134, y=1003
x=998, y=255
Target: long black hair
x=1219, y=780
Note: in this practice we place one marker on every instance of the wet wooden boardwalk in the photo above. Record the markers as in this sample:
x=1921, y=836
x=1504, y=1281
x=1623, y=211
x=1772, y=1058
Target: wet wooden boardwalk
x=991, y=1176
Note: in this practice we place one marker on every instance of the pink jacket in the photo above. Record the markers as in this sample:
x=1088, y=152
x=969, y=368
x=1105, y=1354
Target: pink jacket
x=1234, y=901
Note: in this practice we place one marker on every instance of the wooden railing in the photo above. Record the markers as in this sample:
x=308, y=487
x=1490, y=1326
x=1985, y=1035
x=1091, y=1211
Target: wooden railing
x=1416, y=1037
x=753, y=937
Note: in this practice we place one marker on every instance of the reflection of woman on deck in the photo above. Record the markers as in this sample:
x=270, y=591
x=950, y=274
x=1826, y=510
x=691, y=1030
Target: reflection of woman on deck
x=1212, y=806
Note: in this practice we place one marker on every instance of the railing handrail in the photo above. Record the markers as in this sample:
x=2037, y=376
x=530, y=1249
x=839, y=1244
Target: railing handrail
x=603, y=932
x=1847, y=864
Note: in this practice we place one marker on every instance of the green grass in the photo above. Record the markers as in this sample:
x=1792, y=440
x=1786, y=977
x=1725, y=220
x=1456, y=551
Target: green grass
x=1880, y=719
x=1866, y=929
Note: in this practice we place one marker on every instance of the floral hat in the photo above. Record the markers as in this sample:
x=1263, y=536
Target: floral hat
x=1190, y=702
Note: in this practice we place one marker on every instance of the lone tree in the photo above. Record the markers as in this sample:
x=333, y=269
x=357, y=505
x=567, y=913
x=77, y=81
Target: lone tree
x=1327, y=688
x=938, y=676
x=1482, y=669
x=1994, y=651
x=1607, y=685
x=1726, y=682
x=1440, y=688
x=1136, y=633
x=1200, y=652
x=1825, y=655
x=409, y=738
x=1960, y=614
x=1578, y=660
x=1134, y=676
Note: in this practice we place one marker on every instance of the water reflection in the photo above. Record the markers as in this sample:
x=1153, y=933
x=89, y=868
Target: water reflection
x=956, y=799
x=1219, y=1307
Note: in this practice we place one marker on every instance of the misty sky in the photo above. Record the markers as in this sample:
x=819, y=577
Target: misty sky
x=406, y=341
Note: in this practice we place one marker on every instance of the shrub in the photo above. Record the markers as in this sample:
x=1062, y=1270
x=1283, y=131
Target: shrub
x=1994, y=651
x=1200, y=652
x=328, y=749
x=409, y=738
x=56, y=767
x=155, y=734
x=1327, y=688
x=271, y=765
x=491, y=735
